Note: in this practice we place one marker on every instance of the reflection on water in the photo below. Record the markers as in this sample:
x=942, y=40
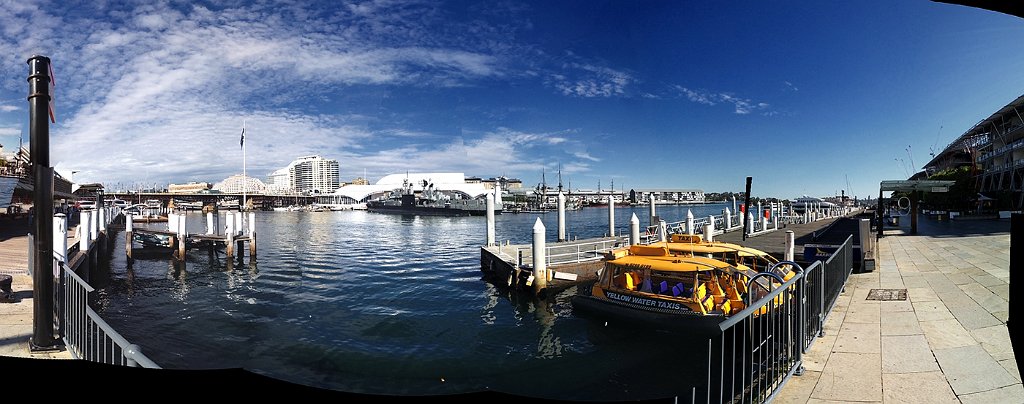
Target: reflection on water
x=388, y=304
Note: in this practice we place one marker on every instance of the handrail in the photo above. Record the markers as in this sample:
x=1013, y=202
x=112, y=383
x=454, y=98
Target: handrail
x=86, y=333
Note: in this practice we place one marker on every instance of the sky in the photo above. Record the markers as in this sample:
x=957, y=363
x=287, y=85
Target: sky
x=806, y=97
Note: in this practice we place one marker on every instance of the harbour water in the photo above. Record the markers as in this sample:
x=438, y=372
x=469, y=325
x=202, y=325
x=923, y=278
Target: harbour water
x=373, y=303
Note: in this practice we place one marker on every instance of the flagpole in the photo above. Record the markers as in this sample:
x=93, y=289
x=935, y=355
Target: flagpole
x=245, y=184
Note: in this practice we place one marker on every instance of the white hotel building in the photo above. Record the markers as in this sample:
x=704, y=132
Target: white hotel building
x=306, y=175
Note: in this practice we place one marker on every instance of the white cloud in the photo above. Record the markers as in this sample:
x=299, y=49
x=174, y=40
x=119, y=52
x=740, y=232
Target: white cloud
x=160, y=92
x=742, y=106
x=9, y=108
x=591, y=81
x=10, y=131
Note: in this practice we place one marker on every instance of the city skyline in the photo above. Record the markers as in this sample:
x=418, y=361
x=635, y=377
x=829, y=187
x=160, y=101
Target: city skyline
x=806, y=98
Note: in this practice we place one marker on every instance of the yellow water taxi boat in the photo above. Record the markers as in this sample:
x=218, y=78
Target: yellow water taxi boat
x=652, y=285
x=737, y=255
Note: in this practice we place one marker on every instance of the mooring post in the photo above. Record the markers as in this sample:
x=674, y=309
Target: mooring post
x=561, y=216
x=102, y=221
x=654, y=213
x=728, y=219
x=709, y=232
x=663, y=230
x=128, y=228
x=229, y=236
x=689, y=223
x=790, y=246
x=83, y=231
x=60, y=238
x=540, y=272
x=209, y=223
x=239, y=225
x=750, y=219
x=733, y=203
x=611, y=216
x=181, y=222
x=711, y=221
x=252, y=234
x=490, y=219
x=746, y=209
x=634, y=230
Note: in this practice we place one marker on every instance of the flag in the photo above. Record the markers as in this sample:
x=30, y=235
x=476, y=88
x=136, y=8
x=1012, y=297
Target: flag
x=241, y=142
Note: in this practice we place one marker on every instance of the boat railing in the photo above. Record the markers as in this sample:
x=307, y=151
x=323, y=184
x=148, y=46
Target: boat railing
x=86, y=335
x=761, y=347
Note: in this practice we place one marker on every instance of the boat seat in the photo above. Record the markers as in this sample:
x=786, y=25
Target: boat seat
x=664, y=289
x=631, y=280
x=683, y=290
x=706, y=301
x=647, y=286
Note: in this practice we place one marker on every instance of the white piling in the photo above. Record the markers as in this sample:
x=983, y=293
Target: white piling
x=209, y=223
x=760, y=215
x=654, y=214
x=180, y=230
x=790, y=245
x=711, y=221
x=728, y=219
x=750, y=218
x=490, y=219
x=229, y=234
x=540, y=273
x=93, y=226
x=252, y=234
x=561, y=216
x=634, y=230
x=611, y=216
x=775, y=221
x=129, y=223
x=83, y=231
x=709, y=232
x=734, y=204
x=60, y=238
x=663, y=231
x=239, y=224
x=689, y=223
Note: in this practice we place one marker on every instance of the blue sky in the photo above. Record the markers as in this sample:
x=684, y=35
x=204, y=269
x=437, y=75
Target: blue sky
x=805, y=97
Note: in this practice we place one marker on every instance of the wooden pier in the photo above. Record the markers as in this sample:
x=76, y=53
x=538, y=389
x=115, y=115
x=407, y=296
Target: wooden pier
x=545, y=269
x=567, y=263
x=233, y=237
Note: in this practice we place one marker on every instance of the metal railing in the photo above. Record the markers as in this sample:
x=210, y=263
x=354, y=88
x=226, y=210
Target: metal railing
x=85, y=334
x=573, y=253
x=762, y=346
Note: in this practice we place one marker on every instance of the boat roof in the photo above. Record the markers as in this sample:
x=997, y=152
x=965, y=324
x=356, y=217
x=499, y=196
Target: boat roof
x=712, y=247
x=670, y=263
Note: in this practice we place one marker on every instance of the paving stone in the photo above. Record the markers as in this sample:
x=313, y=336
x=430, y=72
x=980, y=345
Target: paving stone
x=900, y=323
x=970, y=369
x=1008, y=394
x=916, y=388
x=943, y=334
x=850, y=377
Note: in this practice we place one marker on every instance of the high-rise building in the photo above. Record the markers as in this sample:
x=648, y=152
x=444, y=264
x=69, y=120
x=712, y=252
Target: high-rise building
x=308, y=174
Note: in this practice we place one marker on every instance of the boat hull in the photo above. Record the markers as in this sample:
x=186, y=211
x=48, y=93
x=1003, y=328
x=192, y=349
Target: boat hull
x=618, y=312
x=422, y=210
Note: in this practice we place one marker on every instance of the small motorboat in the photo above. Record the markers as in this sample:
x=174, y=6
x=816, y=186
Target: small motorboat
x=652, y=286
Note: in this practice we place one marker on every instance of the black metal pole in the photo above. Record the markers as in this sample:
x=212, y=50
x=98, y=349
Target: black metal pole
x=746, y=208
x=42, y=203
x=880, y=214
